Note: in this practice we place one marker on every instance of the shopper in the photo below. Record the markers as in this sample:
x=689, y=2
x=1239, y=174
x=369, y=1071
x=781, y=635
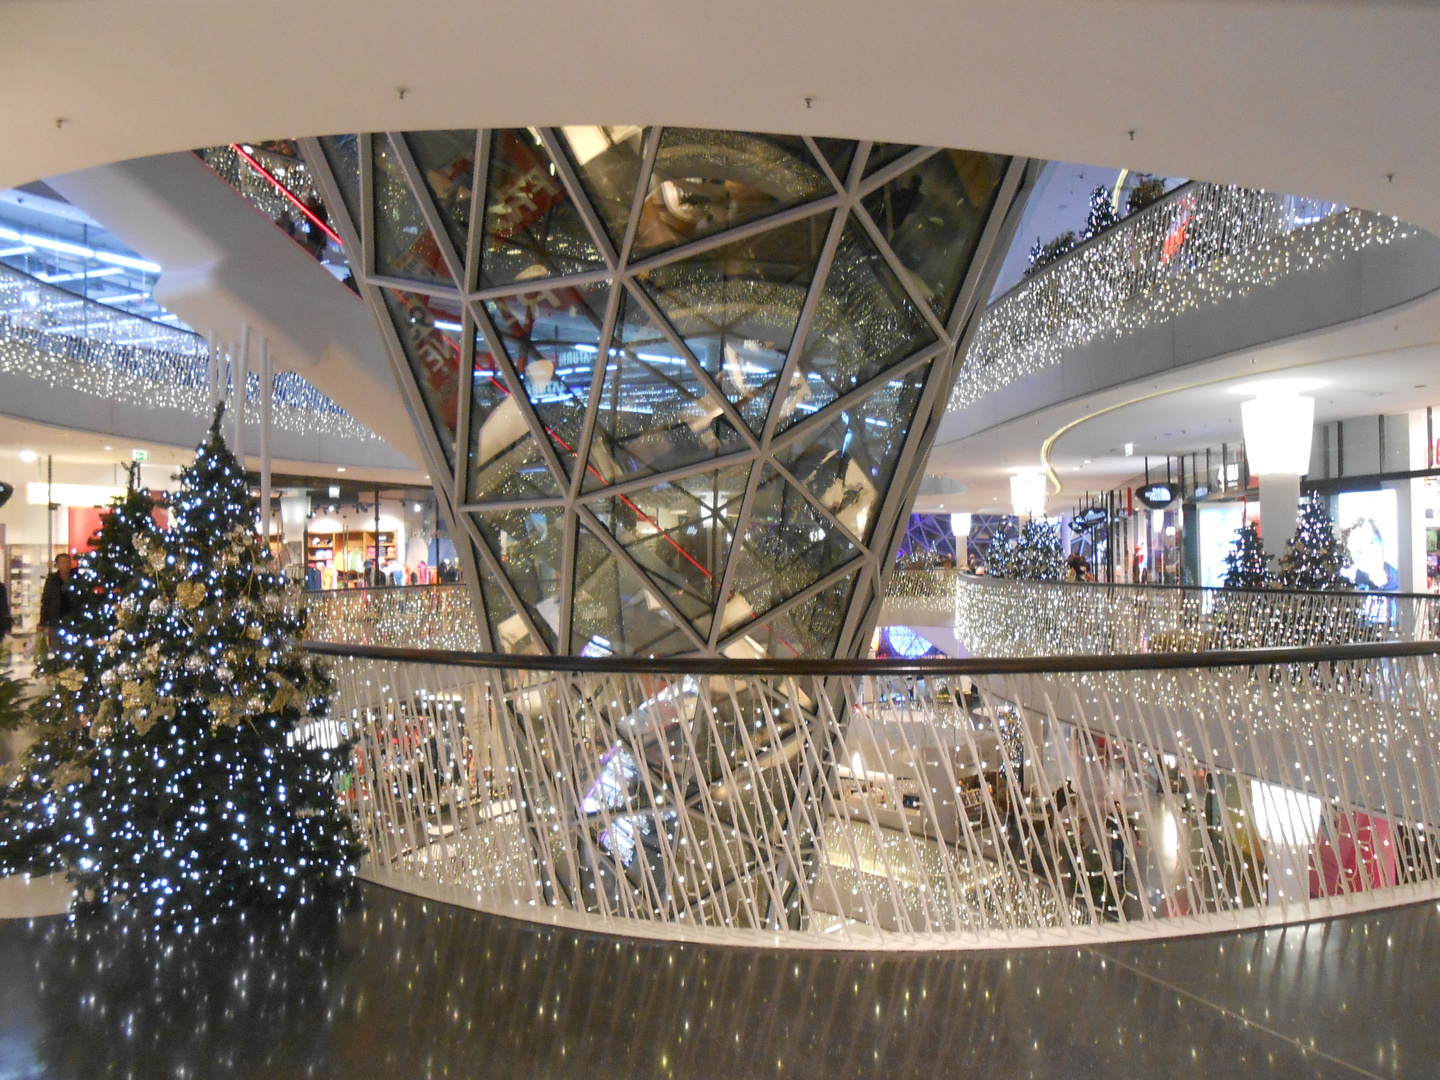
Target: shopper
x=57, y=599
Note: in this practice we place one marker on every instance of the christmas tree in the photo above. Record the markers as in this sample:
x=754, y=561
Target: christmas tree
x=1034, y=555
x=1246, y=565
x=38, y=824
x=1146, y=190
x=1044, y=254
x=1314, y=556
x=1102, y=213
x=205, y=790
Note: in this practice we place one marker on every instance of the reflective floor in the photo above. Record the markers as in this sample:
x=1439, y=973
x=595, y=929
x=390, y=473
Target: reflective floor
x=394, y=986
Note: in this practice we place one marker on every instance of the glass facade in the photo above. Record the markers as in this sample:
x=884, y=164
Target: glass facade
x=704, y=366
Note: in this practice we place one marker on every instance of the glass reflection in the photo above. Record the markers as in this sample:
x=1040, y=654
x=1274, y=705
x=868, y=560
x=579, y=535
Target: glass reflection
x=429, y=330
x=705, y=181
x=680, y=533
x=342, y=153
x=932, y=217
x=850, y=461
x=810, y=628
x=553, y=338
x=654, y=414
x=787, y=547
x=505, y=463
x=865, y=322
x=447, y=161
x=885, y=153
x=839, y=153
x=615, y=610
x=532, y=229
x=736, y=306
x=528, y=543
x=404, y=245
x=608, y=161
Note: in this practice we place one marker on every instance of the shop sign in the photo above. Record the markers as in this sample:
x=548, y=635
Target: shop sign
x=1157, y=496
x=1091, y=518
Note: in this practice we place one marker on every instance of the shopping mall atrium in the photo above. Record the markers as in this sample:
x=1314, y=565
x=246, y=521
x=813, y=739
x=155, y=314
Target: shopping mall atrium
x=915, y=554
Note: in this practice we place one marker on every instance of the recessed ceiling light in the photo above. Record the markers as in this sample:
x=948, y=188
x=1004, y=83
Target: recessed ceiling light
x=340, y=468
x=109, y=448
x=28, y=455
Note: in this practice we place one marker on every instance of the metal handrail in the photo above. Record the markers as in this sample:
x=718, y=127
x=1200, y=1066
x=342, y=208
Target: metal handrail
x=975, y=665
x=991, y=580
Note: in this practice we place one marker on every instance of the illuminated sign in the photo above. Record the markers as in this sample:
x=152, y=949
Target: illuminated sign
x=1157, y=496
x=1092, y=518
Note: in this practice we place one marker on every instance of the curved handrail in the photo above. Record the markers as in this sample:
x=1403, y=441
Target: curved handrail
x=987, y=579
x=974, y=665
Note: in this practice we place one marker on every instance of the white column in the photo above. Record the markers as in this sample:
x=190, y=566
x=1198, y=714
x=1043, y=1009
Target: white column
x=1279, y=510
x=239, y=376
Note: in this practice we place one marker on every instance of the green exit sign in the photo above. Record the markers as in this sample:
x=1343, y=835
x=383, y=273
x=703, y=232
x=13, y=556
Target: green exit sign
x=140, y=455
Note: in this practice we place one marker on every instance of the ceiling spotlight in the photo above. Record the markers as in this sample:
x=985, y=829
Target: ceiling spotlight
x=417, y=508
x=340, y=468
x=28, y=455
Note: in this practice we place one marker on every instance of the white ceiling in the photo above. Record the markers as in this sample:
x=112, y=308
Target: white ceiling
x=1333, y=100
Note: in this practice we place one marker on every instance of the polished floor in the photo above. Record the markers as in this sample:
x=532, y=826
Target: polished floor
x=397, y=987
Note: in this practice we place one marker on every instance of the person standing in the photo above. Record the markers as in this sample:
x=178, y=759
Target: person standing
x=57, y=600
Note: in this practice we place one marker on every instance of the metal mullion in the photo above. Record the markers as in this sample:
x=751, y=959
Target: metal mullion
x=999, y=229
x=710, y=241
x=642, y=190
x=902, y=273
x=697, y=370
x=420, y=190
x=597, y=385
x=819, y=586
x=835, y=179
x=820, y=507
x=845, y=643
x=827, y=412
x=517, y=391
x=475, y=237
x=532, y=286
x=492, y=564
x=857, y=166
x=567, y=580
x=732, y=562
x=365, y=158
x=466, y=396
x=618, y=550
x=901, y=165
x=577, y=196
x=549, y=502
x=668, y=476
x=423, y=288
x=802, y=324
x=319, y=166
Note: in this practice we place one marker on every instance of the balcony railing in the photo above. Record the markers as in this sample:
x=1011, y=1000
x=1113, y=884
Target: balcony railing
x=1200, y=244
x=916, y=805
x=1001, y=617
x=50, y=334
x=405, y=616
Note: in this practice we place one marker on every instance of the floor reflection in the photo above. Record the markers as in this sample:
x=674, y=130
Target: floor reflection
x=395, y=986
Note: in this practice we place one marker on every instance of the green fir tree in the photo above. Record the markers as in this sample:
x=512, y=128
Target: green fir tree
x=39, y=826
x=1102, y=214
x=1315, y=555
x=1147, y=189
x=209, y=786
x=1247, y=565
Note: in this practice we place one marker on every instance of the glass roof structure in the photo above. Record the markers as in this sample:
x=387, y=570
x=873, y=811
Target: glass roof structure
x=677, y=385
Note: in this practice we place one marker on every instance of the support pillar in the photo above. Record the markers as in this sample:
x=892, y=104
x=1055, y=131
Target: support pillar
x=1279, y=510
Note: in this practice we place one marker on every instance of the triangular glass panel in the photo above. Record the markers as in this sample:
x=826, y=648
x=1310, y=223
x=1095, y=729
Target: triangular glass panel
x=736, y=306
x=839, y=153
x=848, y=463
x=532, y=229
x=505, y=463
x=447, y=161
x=608, y=161
x=864, y=322
x=810, y=630
x=342, y=152
x=705, y=181
x=616, y=612
x=681, y=533
x=885, y=153
x=553, y=338
x=508, y=631
x=788, y=546
x=429, y=328
x=655, y=414
x=932, y=217
x=528, y=543
x=404, y=245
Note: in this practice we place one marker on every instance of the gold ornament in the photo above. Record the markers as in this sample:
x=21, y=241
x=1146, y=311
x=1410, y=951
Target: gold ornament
x=156, y=558
x=71, y=679
x=254, y=631
x=141, y=719
x=70, y=772
x=191, y=594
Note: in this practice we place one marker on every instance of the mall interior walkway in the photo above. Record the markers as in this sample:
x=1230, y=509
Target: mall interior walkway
x=395, y=986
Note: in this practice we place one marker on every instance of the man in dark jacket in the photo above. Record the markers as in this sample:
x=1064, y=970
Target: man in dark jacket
x=56, y=599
